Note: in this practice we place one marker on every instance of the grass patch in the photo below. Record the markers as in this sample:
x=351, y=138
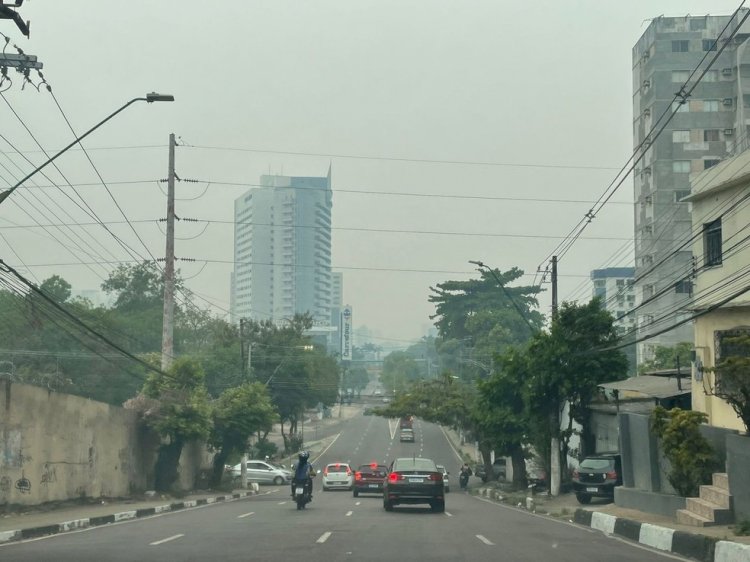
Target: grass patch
x=742, y=529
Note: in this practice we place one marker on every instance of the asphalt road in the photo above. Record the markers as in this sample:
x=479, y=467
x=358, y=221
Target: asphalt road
x=337, y=526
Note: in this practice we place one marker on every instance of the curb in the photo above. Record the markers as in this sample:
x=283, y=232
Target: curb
x=690, y=545
x=87, y=522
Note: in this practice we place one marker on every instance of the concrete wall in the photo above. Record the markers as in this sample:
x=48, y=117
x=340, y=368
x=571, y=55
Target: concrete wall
x=738, y=471
x=56, y=446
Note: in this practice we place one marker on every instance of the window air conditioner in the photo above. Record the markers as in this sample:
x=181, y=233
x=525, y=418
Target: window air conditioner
x=726, y=71
x=647, y=83
x=727, y=101
x=728, y=132
x=647, y=112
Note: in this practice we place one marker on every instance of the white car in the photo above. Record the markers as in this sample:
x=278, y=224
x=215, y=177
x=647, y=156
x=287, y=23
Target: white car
x=446, y=483
x=263, y=472
x=338, y=476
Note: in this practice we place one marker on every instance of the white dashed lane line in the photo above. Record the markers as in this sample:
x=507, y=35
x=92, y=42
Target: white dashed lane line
x=349, y=513
x=282, y=503
x=485, y=540
x=324, y=537
x=162, y=541
x=448, y=514
x=245, y=515
x=357, y=503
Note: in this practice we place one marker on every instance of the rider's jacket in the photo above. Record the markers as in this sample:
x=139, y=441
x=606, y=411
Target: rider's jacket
x=303, y=471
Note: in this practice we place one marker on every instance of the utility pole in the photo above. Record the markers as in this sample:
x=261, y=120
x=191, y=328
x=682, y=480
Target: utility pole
x=554, y=481
x=167, y=334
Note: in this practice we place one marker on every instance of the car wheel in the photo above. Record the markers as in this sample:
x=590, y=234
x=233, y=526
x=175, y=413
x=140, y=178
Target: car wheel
x=438, y=506
x=278, y=481
x=355, y=493
x=388, y=506
x=584, y=499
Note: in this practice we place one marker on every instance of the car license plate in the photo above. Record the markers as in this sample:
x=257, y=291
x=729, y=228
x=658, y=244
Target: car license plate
x=592, y=489
x=416, y=480
x=300, y=491
x=373, y=485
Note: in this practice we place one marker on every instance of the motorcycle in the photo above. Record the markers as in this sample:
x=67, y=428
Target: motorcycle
x=301, y=495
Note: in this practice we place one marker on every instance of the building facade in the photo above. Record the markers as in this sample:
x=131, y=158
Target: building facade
x=615, y=287
x=282, y=250
x=721, y=215
x=708, y=126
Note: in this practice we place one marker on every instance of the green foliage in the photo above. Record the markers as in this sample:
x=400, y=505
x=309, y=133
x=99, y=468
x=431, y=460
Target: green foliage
x=742, y=529
x=692, y=459
x=733, y=377
x=667, y=357
x=399, y=370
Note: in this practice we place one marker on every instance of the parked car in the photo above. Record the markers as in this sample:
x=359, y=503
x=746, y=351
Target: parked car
x=368, y=479
x=498, y=470
x=263, y=472
x=597, y=476
x=414, y=480
x=337, y=476
x=407, y=435
x=446, y=481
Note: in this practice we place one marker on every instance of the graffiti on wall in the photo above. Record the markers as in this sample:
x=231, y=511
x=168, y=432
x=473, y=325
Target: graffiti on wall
x=23, y=485
x=49, y=474
x=5, y=484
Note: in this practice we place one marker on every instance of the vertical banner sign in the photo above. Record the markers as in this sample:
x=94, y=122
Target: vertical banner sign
x=346, y=334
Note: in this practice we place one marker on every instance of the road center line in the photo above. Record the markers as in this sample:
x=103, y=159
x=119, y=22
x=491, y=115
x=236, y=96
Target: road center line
x=245, y=515
x=485, y=540
x=357, y=503
x=448, y=514
x=162, y=541
x=324, y=537
x=349, y=513
x=282, y=503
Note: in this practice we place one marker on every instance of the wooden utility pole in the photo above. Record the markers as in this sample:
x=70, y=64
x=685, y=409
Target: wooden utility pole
x=167, y=334
x=554, y=480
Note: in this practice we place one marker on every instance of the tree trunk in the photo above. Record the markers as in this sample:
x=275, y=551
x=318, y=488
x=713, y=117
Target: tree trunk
x=519, y=467
x=220, y=459
x=487, y=460
x=167, y=464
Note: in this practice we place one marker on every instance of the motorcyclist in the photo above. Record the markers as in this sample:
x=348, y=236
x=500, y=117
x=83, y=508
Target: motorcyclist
x=463, y=478
x=303, y=473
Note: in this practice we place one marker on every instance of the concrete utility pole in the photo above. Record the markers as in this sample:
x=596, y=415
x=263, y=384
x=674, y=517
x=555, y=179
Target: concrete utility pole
x=554, y=481
x=167, y=334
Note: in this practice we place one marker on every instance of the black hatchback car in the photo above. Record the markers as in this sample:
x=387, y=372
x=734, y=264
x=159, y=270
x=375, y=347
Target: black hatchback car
x=597, y=476
x=414, y=480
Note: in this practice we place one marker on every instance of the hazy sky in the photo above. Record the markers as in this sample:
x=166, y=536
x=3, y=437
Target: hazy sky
x=540, y=89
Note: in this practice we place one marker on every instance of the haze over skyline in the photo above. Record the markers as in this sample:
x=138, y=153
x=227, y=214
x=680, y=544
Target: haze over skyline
x=489, y=128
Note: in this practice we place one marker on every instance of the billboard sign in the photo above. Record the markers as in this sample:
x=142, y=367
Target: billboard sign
x=346, y=334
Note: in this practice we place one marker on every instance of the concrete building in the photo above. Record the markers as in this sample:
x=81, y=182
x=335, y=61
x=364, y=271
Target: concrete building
x=721, y=214
x=709, y=126
x=282, y=250
x=615, y=287
x=337, y=304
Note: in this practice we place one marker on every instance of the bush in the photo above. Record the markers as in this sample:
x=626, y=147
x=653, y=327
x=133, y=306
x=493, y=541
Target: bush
x=692, y=459
x=742, y=528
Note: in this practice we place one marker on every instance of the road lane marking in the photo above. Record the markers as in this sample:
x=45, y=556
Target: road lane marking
x=450, y=444
x=326, y=449
x=349, y=513
x=448, y=514
x=162, y=541
x=357, y=503
x=245, y=515
x=324, y=537
x=282, y=503
x=485, y=540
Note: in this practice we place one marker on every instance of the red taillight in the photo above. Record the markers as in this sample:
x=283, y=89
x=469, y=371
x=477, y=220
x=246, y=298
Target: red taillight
x=393, y=477
x=358, y=475
x=437, y=476
x=373, y=465
x=612, y=475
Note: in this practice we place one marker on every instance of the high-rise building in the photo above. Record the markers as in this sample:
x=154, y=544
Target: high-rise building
x=614, y=286
x=282, y=250
x=707, y=127
x=337, y=305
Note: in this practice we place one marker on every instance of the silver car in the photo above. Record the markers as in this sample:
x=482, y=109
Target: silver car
x=446, y=482
x=263, y=472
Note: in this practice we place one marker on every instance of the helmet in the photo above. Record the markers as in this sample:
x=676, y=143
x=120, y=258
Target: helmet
x=303, y=456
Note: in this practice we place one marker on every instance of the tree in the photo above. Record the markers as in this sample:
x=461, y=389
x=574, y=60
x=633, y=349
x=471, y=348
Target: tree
x=668, y=357
x=399, y=370
x=733, y=376
x=237, y=414
x=567, y=365
x=357, y=379
x=57, y=288
x=691, y=458
x=175, y=404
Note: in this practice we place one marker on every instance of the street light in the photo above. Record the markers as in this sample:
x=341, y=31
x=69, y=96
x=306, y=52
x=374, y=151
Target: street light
x=150, y=98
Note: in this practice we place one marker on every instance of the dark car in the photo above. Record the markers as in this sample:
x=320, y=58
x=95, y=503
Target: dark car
x=368, y=479
x=414, y=480
x=597, y=476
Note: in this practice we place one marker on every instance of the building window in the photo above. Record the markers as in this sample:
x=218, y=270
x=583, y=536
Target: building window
x=680, y=194
x=709, y=44
x=712, y=243
x=684, y=286
x=711, y=135
x=681, y=46
x=710, y=163
x=620, y=283
x=710, y=105
x=680, y=76
x=680, y=136
x=680, y=107
x=681, y=166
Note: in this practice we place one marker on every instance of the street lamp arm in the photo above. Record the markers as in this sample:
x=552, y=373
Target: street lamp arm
x=149, y=98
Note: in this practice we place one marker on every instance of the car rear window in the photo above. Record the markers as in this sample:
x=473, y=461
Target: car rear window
x=596, y=464
x=414, y=464
x=380, y=470
x=337, y=468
